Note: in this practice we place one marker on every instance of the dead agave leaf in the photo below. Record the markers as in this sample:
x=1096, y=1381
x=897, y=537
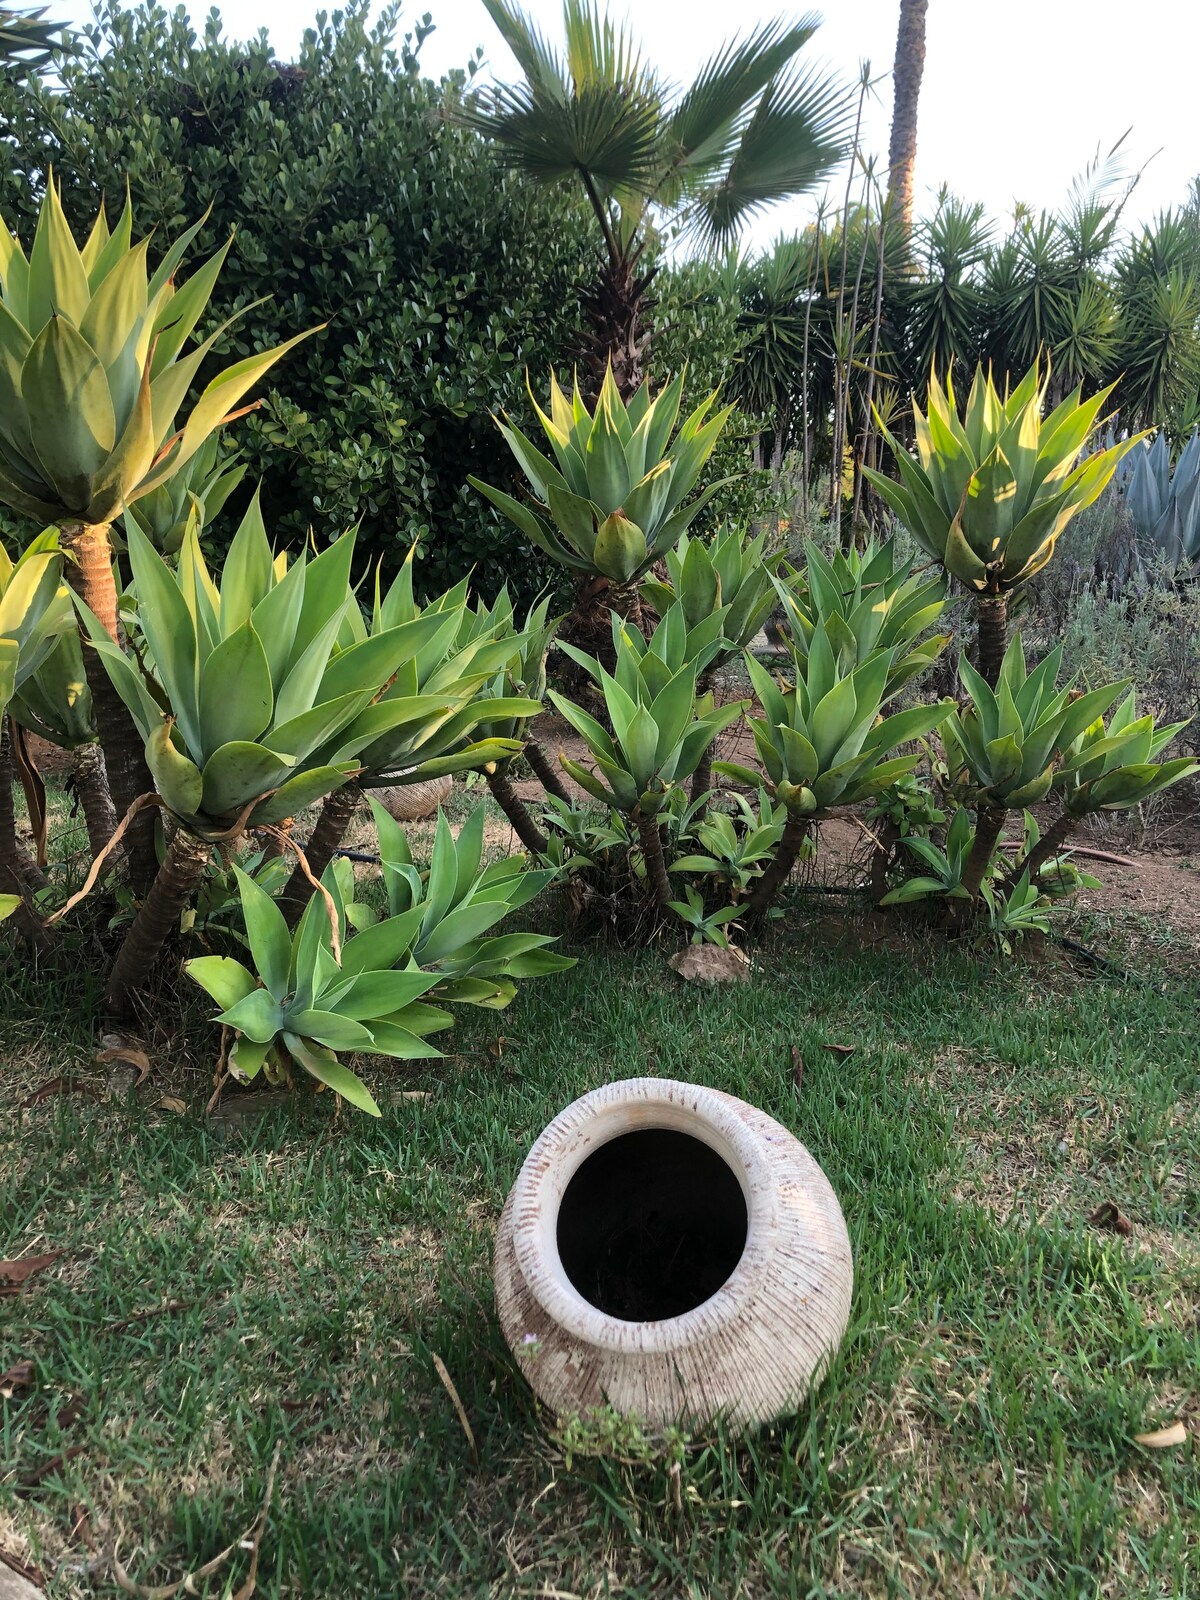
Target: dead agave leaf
x=170, y=1103
x=1162, y=1438
x=1106, y=1215
x=840, y=1049
x=54, y=1087
x=14, y=1274
x=18, y=1376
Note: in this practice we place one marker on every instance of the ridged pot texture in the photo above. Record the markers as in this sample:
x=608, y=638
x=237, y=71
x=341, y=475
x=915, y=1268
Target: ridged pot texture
x=672, y=1252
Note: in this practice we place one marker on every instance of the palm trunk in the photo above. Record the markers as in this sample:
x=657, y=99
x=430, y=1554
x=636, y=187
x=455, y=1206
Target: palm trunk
x=18, y=875
x=90, y=574
x=906, y=80
x=157, y=923
x=780, y=869
x=1047, y=847
x=323, y=845
x=989, y=823
x=650, y=836
x=992, y=614
x=513, y=807
x=544, y=772
x=91, y=789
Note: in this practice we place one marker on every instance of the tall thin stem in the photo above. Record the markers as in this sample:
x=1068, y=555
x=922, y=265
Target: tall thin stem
x=652, y=854
x=869, y=399
x=780, y=869
x=513, y=807
x=835, y=482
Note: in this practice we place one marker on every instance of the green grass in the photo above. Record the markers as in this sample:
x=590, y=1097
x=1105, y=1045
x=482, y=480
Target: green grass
x=974, y=1437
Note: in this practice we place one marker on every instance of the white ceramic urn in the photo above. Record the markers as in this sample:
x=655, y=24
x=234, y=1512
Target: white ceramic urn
x=672, y=1252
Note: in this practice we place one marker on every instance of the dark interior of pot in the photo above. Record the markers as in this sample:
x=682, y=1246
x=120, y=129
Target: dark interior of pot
x=651, y=1225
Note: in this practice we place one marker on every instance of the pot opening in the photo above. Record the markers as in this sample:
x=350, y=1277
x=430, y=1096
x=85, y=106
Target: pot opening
x=651, y=1225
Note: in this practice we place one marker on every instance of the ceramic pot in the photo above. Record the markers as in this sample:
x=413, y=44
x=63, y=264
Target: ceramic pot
x=675, y=1253
x=409, y=802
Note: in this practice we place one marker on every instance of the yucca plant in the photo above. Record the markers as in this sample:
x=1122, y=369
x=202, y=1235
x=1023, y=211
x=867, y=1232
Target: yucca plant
x=613, y=499
x=308, y=996
x=93, y=378
x=459, y=657
x=824, y=742
x=254, y=709
x=1004, y=746
x=659, y=731
x=988, y=494
x=867, y=601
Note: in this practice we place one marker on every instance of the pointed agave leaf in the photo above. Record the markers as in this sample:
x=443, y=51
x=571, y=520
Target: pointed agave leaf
x=293, y=794
x=71, y=416
x=236, y=700
x=235, y=773
x=177, y=779
x=225, y=979
x=58, y=280
x=267, y=933
x=327, y=1069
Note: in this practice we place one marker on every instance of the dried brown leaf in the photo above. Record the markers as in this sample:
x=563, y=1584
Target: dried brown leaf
x=53, y=1087
x=18, y=1376
x=1106, y=1215
x=133, y=1056
x=14, y=1274
x=797, y=1069
x=709, y=963
x=1162, y=1438
x=170, y=1103
x=840, y=1049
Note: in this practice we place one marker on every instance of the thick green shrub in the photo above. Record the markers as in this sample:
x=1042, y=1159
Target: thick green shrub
x=357, y=200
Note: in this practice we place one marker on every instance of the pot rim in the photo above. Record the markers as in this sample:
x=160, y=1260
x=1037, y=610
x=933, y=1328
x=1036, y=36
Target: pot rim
x=575, y=1134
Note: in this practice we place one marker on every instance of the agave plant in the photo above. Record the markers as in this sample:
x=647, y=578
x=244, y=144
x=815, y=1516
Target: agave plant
x=307, y=997
x=659, y=732
x=523, y=675
x=614, y=503
x=1165, y=505
x=449, y=674
x=1003, y=748
x=93, y=378
x=254, y=708
x=988, y=494
x=195, y=495
x=735, y=850
x=730, y=575
x=824, y=742
x=868, y=602
x=28, y=589
x=452, y=908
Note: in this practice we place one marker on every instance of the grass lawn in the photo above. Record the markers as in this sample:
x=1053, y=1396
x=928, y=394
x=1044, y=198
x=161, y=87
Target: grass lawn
x=285, y=1280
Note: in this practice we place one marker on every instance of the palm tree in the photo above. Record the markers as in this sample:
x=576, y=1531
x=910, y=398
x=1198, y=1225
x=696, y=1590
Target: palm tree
x=906, y=88
x=750, y=130
x=26, y=42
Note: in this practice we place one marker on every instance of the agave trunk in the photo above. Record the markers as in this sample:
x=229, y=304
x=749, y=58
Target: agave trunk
x=336, y=812
x=989, y=823
x=1047, y=847
x=18, y=874
x=992, y=614
x=157, y=922
x=544, y=772
x=90, y=574
x=780, y=869
x=881, y=859
x=652, y=854
x=513, y=807
x=702, y=778
x=91, y=790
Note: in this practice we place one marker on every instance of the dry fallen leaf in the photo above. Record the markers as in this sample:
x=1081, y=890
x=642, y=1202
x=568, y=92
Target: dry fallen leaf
x=130, y=1054
x=54, y=1087
x=1106, y=1215
x=170, y=1103
x=797, y=1069
x=840, y=1049
x=18, y=1376
x=13, y=1274
x=1162, y=1438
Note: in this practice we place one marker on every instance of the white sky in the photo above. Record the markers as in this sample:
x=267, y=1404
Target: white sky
x=1017, y=94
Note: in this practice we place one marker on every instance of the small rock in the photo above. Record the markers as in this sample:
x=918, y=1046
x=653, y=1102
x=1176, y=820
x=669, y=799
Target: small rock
x=14, y=1587
x=709, y=963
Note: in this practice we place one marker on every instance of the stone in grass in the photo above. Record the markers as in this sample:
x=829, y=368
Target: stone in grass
x=709, y=963
x=15, y=1587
